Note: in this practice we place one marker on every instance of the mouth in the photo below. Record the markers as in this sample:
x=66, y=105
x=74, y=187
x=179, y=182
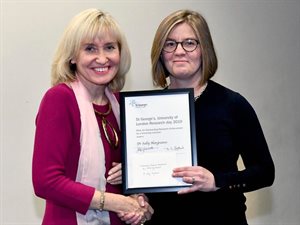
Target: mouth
x=101, y=69
x=180, y=60
x=180, y=63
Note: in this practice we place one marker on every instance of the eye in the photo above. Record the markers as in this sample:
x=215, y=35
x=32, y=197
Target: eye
x=111, y=47
x=190, y=42
x=170, y=44
x=90, y=48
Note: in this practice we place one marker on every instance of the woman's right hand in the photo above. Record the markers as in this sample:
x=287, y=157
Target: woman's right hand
x=141, y=214
x=132, y=209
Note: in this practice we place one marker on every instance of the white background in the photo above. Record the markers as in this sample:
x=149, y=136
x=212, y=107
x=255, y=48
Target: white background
x=258, y=47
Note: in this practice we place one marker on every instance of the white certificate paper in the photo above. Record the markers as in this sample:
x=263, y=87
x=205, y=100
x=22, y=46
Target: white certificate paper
x=157, y=136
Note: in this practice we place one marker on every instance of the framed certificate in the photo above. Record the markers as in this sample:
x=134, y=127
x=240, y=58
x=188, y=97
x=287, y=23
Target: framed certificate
x=158, y=134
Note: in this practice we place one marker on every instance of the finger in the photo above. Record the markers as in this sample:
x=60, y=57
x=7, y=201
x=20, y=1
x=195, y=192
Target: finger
x=116, y=163
x=115, y=181
x=141, y=200
x=115, y=176
x=116, y=167
x=136, y=219
x=184, y=168
x=183, y=174
x=121, y=214
x=148, y=216
x=130, y=218
x=190, y=179
x=151, y=210
x=187, y=190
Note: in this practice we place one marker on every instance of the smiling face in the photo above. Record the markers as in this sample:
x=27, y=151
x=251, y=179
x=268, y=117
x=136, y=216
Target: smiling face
x=98, y=61
x=183, y=65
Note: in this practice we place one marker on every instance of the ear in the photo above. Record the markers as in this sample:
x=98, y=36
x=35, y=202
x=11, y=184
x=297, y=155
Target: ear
x=73, y=61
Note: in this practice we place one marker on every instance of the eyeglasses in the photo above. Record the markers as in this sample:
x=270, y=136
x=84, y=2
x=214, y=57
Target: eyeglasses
x=188, y=45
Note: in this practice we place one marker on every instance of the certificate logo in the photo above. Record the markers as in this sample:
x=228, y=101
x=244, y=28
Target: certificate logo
x=136, y=104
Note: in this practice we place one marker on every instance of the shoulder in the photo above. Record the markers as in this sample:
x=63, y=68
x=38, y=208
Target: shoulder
x=59, y=97
x=219, y=89
x=227, y=98
x=59, y=93
x=226, y=94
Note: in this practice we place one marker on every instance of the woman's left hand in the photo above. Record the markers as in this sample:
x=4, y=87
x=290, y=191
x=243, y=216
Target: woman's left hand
x=200, y=178
x=115, y=174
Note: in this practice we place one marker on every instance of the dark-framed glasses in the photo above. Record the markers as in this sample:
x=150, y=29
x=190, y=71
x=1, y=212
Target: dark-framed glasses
x=188, y=45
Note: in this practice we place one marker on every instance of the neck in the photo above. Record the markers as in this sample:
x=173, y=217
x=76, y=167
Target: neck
x=96, y=92
x=100, y=100
x=198, y=88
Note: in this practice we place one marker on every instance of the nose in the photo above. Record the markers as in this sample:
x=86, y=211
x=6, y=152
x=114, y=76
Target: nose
x=101, y=58
x=179, y=49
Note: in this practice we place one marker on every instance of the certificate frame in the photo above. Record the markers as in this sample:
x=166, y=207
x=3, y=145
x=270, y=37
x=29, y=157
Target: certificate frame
x=139, y=177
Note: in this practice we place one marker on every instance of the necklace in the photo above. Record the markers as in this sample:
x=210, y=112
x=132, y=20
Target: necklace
x=109, y=131
x=201, y=91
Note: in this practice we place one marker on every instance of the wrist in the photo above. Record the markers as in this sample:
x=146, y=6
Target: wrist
x=101, y=200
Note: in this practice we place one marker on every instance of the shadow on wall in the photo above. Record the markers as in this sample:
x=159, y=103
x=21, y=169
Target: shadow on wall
x=259, y=203
x=39, y=206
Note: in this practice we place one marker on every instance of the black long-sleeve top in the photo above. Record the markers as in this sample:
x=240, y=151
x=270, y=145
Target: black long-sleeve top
x=226, y=127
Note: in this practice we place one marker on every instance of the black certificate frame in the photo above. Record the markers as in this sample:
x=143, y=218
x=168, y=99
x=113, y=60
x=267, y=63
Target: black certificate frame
x=125, y=96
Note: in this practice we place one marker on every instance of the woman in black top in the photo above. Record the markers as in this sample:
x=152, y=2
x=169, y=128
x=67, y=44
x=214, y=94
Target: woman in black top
x=227, y=127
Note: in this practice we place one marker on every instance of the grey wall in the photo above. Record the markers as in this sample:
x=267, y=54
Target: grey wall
x=258, y=45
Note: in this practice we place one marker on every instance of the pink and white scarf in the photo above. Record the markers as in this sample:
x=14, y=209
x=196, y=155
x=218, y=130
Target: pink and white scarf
x=91, y=166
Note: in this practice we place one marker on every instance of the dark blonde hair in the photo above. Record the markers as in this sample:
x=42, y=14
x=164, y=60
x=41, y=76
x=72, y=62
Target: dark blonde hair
x=201, y=29
x=87, y=25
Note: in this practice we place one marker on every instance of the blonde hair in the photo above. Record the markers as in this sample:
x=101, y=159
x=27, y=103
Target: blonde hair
x=201, y=29
x=87, y=25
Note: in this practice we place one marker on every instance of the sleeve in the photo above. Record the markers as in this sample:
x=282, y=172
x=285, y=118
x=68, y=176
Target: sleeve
x=56, y=152
x=250, y=142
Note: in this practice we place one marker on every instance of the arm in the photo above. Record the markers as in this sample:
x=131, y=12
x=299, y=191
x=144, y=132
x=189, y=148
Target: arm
x=56, y=152
x=259, y=169
x=231, y=132
x=116, y=203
